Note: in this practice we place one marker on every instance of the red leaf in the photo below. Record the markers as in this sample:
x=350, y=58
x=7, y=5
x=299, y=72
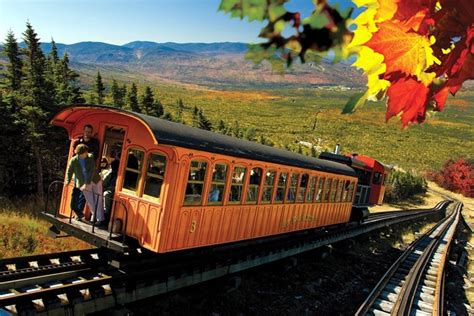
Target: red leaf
x=465, y=73
x=408, y=96
x=408, y=9
x=440, y=98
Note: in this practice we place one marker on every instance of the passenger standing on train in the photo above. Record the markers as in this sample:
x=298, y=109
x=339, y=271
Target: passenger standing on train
x=83, y=167
x=87, y=139
x=78, y=201
x=110, y=178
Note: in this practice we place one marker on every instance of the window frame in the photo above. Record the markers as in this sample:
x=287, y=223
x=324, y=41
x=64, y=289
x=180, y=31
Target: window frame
x=259, y=186
x=311, y=188
x=289, y=186
x=138, y=191
x=243, y=184
x=265, y=186
x=210, y=182
x=300, y=187
x=145, y=177
x=204, y=182
x=277, y=186
x=319, y=192
x=327, y=190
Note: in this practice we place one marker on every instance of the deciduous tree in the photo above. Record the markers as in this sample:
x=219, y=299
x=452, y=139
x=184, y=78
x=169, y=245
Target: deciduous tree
x=414, y=53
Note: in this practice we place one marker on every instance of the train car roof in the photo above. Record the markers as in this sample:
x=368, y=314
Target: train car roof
x=176, y=134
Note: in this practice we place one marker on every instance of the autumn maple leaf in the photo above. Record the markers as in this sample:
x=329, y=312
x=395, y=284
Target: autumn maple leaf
x=407, y=96
x=404, y=51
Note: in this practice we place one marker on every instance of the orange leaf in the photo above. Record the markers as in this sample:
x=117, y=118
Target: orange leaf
x=404, y=51
x=409, y=97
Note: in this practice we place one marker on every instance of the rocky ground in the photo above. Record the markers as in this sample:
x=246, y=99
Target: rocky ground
x=332, y=280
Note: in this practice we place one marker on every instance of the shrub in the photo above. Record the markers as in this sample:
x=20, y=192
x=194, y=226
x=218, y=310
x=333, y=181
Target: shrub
x=456, y=176
x=403, y=186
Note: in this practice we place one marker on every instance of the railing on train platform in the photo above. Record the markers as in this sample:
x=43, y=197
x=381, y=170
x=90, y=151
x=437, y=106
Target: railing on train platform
x=60, y=184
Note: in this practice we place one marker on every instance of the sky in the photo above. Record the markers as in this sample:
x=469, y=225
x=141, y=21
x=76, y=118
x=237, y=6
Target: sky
x=120, y=21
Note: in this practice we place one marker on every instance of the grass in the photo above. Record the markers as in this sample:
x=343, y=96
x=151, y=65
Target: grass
x=23, y=233
x=286, y=116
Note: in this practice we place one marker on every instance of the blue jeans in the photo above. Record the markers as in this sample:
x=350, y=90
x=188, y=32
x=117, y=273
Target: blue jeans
x=78, y=202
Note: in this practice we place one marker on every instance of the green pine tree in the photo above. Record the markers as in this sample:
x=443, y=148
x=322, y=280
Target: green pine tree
x=204, y=122
x=133, y=99
x=99, y=88
x=157, y=109
x=53, y=54
x=168, y=116
x=236, y=131
x=116, y=94
x=179, y=113
x=37, y=105
x=250, y=134
x=14, y=73
x=66, y=85
x=195, y=117
x=221, y=127
x=147, y=101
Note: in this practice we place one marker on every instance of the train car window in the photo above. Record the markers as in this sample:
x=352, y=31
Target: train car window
x=319, y=190
x=268, y=186
x=384, y=178
x=254, y=185
x=292, y=190
x=236, y=189
x=332, y=195
x=302, y=188
x=340, y=189
x=351, y=192
x=133, y=170
x=216, y=192
x=345, y=191
x=155, y=176
x=197, y=174
x=280, y=193
x=327, y=189
x=312, y=187
x=377, y=178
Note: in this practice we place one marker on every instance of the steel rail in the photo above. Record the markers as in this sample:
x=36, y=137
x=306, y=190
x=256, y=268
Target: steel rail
x=146, y=279
x=395, y=293
x=32, y=266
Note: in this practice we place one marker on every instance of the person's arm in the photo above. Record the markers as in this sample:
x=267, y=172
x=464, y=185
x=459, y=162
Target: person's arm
x=69, y=172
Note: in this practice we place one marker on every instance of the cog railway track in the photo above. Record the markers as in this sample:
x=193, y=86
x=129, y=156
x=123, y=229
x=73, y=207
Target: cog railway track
x=93, y=280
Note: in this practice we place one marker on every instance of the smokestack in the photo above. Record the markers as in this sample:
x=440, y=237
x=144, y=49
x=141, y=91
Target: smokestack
x=337, y=149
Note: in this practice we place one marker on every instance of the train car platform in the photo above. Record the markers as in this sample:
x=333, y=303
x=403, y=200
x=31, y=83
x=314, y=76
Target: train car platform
x=98, y=237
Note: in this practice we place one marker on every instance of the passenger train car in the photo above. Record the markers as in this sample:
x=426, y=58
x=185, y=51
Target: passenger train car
x=180, y=187
x=371, y=175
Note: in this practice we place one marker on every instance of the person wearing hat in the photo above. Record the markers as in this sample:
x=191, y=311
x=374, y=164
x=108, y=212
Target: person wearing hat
x=82, y=166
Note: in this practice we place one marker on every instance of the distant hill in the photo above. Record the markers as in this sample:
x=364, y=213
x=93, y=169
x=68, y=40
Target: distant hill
x=211, y=64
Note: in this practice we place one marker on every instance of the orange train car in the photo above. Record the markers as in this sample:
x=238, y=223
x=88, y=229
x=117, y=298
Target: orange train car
x=180, y=187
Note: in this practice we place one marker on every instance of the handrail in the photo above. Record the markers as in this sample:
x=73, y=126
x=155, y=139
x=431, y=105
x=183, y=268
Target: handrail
x=47, y=197
x=112, y=217
x=96, y=197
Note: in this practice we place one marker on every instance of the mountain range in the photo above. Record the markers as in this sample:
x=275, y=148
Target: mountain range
x=220, y=65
